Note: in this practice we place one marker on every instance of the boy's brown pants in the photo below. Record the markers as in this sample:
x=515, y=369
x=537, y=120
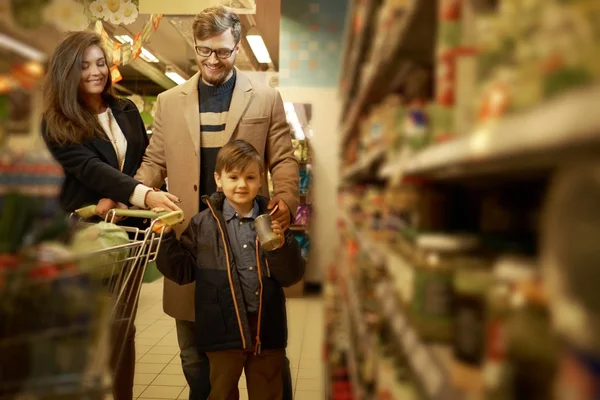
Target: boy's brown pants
x=263, y=372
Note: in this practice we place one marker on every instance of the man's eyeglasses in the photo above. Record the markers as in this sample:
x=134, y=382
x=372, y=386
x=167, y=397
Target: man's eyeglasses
x=220, y=53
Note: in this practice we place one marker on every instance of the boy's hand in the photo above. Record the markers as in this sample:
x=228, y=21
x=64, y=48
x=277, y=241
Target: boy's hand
x=276, y=228
x=158, y=225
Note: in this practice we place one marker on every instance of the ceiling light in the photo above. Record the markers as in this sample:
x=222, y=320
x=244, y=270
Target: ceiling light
x=124, y=39
x=175, y=77
x=21, y=48
x=258, y=46
x=146, y=55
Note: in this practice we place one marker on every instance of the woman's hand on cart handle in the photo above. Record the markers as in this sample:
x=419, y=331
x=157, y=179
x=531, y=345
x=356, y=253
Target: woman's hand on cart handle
x=160, y=199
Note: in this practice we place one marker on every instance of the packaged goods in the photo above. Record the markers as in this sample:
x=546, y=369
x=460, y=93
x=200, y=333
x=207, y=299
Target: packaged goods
x=304, y=181
x=303, y=214
x=416, y=125
x=530, y=51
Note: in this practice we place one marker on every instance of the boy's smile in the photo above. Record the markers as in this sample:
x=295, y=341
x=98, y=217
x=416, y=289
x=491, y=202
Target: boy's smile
x=240, y=187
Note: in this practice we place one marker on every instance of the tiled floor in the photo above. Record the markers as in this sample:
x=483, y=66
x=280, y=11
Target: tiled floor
x=158, y=369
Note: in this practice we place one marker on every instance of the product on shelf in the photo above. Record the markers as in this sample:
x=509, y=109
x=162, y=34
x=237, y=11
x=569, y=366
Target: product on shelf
x=304, y=243
x=300, y=150
x=533, y=348
x=435, y=261
x=303, y=215
x=304, y=181
x=456, y=71
x=416, y=125
x=373, y=207
x=472, y=281
x=509, y=273
x=534, y=50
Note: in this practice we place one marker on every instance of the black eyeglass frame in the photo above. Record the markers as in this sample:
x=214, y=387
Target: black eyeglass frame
x=229, y=51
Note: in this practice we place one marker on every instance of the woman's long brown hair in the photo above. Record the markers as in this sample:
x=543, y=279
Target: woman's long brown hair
x=67, y=119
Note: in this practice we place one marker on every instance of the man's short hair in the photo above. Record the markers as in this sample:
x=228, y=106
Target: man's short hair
x=216, y=20
x=237, y=154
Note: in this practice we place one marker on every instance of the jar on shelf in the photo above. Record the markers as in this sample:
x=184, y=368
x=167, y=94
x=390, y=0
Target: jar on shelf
x=533, y=346
x=435, y=261
x=498, y=374
x=472, y=280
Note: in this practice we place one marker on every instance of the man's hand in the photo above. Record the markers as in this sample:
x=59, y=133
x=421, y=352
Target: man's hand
x=162, y=200
x=105, y=205
x=282, y=215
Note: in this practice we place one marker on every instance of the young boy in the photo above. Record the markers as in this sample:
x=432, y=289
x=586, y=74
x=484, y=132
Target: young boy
x=240, y=305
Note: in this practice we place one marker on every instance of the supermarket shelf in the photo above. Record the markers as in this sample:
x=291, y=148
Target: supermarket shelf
x=361, y=39
x=364, y=165
x=351, y=357
x=430, y=363
x=557, y=131
x=355, y=309
x=402, y=39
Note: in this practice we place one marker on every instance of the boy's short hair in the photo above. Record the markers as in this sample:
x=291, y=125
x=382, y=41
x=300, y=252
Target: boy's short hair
x=216, y=20
x=237, y=154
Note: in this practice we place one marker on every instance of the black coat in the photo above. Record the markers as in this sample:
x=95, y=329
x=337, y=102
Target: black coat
x=203, y=255
x=91, y=168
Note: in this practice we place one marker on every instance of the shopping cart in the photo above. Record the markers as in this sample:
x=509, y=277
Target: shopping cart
x=64, y=317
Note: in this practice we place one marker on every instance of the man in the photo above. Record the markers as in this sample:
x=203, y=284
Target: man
x=193, y=121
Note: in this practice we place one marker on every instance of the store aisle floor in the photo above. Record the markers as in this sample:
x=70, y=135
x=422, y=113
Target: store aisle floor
x=158, y=368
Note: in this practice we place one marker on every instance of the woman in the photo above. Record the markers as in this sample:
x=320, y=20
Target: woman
x=99, y=140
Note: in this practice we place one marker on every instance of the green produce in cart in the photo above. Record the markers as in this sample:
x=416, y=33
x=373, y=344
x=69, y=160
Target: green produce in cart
x=103, y=235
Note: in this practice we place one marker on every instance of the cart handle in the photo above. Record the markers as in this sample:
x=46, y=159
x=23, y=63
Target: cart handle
x=167, y=217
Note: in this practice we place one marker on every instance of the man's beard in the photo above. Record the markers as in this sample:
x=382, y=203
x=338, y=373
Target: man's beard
x=219, y=79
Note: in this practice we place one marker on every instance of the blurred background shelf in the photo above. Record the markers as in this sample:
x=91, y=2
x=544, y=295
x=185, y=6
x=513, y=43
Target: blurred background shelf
x=410, y=39
x=364, y=166
x=556, y=132
x=560, y=130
